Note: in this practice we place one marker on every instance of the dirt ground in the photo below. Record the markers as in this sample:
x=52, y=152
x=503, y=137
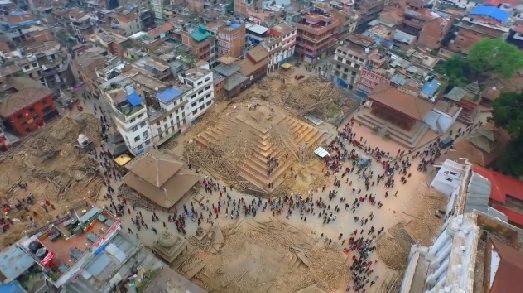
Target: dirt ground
x=268, y=257
x=53, y=169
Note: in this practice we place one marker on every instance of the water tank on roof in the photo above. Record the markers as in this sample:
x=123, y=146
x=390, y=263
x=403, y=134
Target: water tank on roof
x=367, y=50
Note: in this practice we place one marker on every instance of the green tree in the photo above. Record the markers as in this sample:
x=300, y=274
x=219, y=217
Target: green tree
x=511, y=160
x=495, y=56
x=508, y=113
x=457, y=70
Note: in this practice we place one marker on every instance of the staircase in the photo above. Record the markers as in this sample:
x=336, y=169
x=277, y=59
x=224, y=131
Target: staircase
x=407, y=138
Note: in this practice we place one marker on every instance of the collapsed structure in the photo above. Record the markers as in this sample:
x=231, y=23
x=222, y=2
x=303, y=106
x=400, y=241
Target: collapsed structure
x=477, y=250
x=256, y=142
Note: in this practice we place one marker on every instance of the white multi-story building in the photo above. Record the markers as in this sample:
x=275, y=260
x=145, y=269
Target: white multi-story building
x=288, y=35
x=201, y=96
x=147, y=113
x=157, y=7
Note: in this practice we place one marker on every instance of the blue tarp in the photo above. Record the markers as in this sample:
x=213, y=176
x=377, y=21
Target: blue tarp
x=374, y=37
x=235, y=25
x=14, y=261
x=134, y=99
x=169, y=94
x=11, y=288
x=494, y=12
x=430, y=88
x=363, y=161
x=341, y=83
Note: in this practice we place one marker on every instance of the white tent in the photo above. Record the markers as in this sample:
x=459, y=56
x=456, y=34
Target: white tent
x=321, y=152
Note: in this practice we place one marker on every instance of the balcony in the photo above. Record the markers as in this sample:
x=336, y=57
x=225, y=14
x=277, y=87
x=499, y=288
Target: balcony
x=317, y=29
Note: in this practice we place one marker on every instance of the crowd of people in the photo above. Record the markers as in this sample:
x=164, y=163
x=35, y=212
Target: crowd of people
x=350, y=159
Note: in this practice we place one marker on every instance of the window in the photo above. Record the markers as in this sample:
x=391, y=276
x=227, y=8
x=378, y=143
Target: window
x=164, y=119
x=132, y=120
x=148, y=142
x=136, y=138
x=140, y=116
x=145, y=134
x=207, y=79
x=157, y=122
x=135, y=128
x=142, y=124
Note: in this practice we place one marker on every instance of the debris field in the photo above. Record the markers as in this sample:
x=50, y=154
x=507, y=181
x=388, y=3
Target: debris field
x=53, y=168
x=259, y=257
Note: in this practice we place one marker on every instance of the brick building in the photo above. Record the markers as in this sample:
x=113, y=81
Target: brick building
x=231, y=40
x=473, y=30
x=25, y=105
x=317, y=35
x=254, y=66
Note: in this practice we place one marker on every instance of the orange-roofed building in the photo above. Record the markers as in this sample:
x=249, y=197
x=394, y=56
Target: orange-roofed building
x=506, y=194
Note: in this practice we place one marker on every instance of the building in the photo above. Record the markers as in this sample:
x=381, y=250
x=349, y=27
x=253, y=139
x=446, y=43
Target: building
x=25, y=105
x=255, y=64
x=231, y=40
x=466, y=98
x=233, y=80
x=255, y=34
x=482, y=22
x=157, y=7
x=289, y=37
x=471, y=253
x=368, y=10
x=112, y=42
x=128, y=22
x=372, y=73
x=247, y=8
x=48, y=63
x=349, y=59
x=148, y=112
x=273, y=45
x=396, y=114
x=506, y=194
x=84, y=251
x=482, y=147
x=201, y=97
x=86, y=65
x=317, y=35
x=202, y=44
x=160, y=177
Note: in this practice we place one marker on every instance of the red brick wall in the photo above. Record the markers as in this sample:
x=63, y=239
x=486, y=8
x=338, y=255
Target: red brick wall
x=116, y=49
x=31, y=118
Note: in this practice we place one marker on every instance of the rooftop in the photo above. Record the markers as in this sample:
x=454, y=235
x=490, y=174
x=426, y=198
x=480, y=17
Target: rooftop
x=492, y=12
x=65, y=243
x=414, y=107
x=19, y=92
x=160, y=177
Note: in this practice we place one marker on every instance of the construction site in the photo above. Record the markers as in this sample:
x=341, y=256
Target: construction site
x=260, y=141
x=49, y=166
x=256, y=257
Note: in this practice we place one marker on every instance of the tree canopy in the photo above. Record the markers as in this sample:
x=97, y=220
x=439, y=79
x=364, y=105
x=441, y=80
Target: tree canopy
x=457, y=70
x=508, y=113
x=495, y=56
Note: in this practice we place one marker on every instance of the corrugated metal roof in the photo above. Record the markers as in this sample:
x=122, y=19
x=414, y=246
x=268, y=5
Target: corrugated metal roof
x=478, y=194
x=14, y=261
x=494, y=12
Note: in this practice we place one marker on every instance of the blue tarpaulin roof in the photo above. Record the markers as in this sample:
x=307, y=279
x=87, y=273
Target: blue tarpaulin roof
x=134, y=99
x=14, y=261
x=430, y=88
x=11, y=288
x=371, y=35
x=363, y=161
x=494, y=12
x=169, y=94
